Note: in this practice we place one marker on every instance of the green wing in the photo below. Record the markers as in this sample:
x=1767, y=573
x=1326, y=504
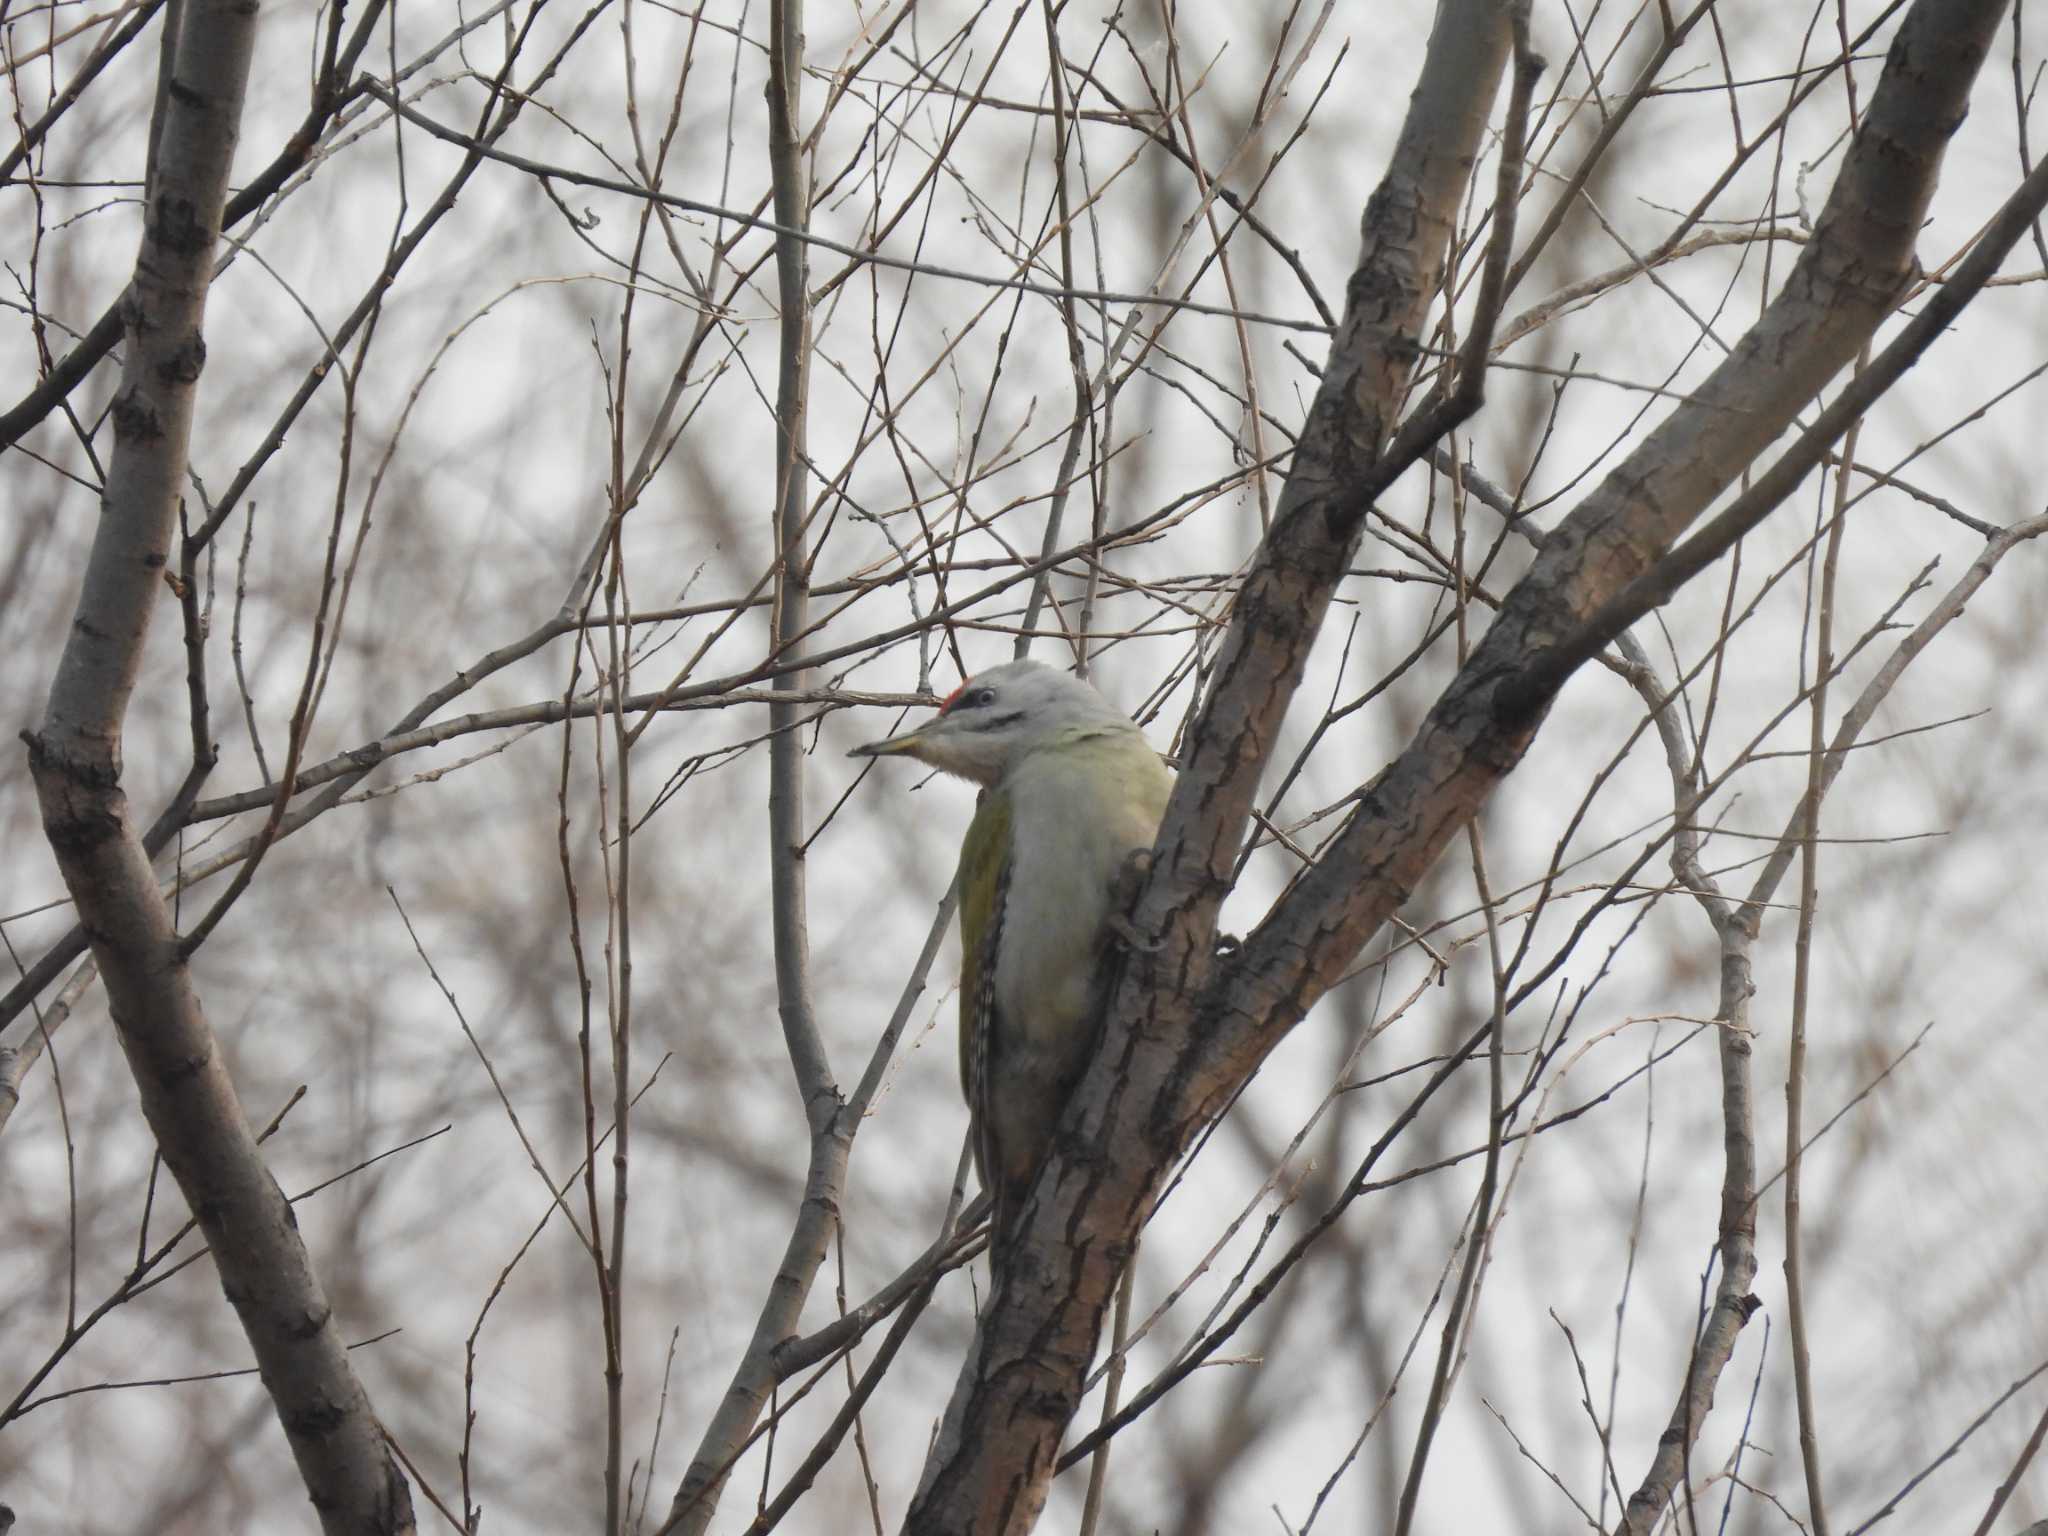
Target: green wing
x=984, y=880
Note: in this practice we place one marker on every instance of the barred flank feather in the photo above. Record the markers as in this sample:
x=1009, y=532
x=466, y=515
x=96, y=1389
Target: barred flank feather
x=979, y=1036
x=984, y=889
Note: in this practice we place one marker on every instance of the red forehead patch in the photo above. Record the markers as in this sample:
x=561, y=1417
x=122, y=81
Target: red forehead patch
x=953, y=697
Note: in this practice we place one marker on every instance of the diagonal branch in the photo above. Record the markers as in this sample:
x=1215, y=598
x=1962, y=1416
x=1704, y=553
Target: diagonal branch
x=1845, y=283
x=1185, y=1028
x=991, y=1466
x=75, y=758
x=329, y=98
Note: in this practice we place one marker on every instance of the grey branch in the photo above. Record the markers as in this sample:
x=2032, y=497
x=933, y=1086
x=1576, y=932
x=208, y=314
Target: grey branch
x=348, y=1470
x=1186, y=1030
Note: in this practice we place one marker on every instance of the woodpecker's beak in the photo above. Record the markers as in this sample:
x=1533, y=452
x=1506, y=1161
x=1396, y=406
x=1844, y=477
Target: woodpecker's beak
x=906, y=745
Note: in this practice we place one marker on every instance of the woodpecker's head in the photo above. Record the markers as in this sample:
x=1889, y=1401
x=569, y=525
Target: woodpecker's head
x=996, y=716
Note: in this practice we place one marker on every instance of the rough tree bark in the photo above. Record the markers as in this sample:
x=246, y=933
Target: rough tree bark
x=75, y=758
x=1186, y=1027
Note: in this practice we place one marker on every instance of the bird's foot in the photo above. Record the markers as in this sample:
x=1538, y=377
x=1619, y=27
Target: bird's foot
x=1127, y=934
x=1123, y=890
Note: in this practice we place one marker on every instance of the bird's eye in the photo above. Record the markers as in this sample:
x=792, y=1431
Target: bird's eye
x=964, y=697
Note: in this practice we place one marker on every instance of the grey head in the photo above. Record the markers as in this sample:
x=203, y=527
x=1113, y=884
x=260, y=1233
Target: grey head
x=998, y=715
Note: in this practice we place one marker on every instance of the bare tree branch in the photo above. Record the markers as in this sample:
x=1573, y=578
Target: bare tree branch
x=75, y=758
x=1037, y=1335
x=1185, y=1030
x=831, y=1127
